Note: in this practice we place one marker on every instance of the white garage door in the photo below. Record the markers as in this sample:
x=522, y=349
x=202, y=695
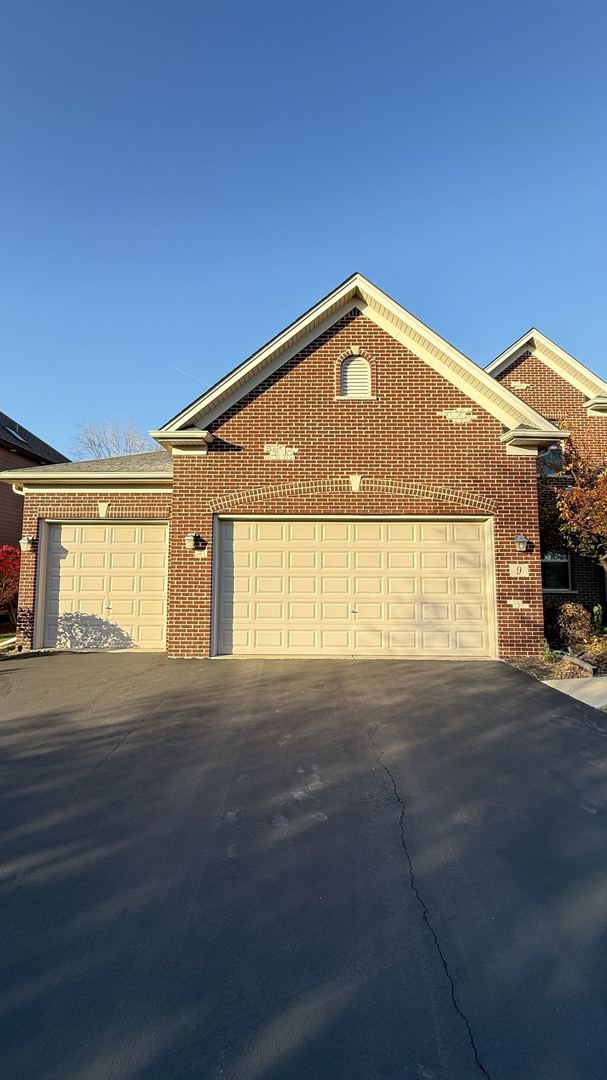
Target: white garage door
x=372, y=588
x=106, y=586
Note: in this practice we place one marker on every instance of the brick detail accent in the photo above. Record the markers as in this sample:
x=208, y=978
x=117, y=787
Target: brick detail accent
x=336, y=485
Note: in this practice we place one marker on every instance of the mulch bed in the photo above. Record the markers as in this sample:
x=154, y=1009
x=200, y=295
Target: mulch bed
x=541, y=668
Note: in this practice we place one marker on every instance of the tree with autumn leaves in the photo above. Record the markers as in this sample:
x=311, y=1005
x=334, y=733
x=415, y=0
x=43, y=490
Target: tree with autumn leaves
x=10, y=559
x=580, y=502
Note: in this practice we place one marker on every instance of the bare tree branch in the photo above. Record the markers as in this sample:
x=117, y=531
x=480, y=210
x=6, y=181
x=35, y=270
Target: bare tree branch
x=109, y=438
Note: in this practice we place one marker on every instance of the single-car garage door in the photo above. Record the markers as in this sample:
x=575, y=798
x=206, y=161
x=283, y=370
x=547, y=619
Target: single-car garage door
x=105, y=586
x=362, y=587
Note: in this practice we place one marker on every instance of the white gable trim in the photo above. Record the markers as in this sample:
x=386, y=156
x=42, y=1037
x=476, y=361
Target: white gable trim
x=555, y=358
x=357, y=291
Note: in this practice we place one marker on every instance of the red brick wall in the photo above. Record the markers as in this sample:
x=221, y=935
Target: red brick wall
x=412, y=461
x=556, y=399
x=11, y=505
x=141, y=506
x=394, y=441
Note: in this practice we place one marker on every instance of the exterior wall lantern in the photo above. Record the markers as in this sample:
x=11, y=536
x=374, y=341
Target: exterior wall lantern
x=521, y=542
x=194, y=542
x=26, y=543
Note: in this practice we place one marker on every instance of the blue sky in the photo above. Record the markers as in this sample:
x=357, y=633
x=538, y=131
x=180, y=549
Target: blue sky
x=180, y=180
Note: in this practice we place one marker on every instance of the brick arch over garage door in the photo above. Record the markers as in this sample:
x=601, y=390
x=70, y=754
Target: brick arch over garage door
x=341, y=485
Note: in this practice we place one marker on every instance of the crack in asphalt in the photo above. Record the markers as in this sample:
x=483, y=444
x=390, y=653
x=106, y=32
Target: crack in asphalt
x=122, y=740
x=426, y=915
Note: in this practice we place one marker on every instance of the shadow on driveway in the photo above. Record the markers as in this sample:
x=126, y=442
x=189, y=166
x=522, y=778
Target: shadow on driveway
x=299, y=869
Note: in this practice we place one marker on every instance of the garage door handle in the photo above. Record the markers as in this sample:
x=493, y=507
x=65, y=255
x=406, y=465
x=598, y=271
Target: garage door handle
x=354, y=611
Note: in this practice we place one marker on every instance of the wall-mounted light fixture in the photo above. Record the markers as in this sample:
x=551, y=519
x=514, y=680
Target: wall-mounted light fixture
x=190, y=540
x=521, y=542
x=26, y=543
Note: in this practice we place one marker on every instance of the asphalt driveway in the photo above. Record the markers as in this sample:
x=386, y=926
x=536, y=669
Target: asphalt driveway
x=244, y=870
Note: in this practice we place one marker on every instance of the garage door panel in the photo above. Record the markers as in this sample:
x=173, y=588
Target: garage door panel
x=339, y=560
x=368, y=559
x=369, y=531
x=301, y=609
x=122, y=607
x=434, y=531
x=302, y=560
x=438, y=559
x=92, y=534
x=402, y=641
x=265, y=610
x=402, y=612
x=336, y=610
x=335, y=532
x=469, y=586
x=468, y=560
x=338, y=640
x=269, y=530
x=402, y=585
x=367, y=640
x=303, y=530
x=405, y=588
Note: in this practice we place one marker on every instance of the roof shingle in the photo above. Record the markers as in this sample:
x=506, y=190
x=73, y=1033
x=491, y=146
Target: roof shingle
x=16, y=437
x=152, y=462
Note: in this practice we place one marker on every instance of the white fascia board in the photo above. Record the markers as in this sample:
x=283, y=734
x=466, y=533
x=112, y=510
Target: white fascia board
x=21, y=477
x=300, y=333
x=526, y=343
x=555, y=358
x=241, y=381
x=452, y=365
x=524, y=436
x=596, y=406
x=418, y=338
x=91, y=489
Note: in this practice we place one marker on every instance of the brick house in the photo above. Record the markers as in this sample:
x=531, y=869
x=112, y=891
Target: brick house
x=19, y=449
x=562, y=389
x=355, y=487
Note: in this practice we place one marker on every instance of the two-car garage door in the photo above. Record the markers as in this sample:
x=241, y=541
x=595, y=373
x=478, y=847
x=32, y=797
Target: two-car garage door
x=358, y=587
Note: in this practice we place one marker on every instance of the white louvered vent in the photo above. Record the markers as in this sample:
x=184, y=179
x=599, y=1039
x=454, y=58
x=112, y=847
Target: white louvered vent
x=355, y=378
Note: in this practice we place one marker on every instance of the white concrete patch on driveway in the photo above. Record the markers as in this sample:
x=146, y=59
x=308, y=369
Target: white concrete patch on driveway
x=590, y=691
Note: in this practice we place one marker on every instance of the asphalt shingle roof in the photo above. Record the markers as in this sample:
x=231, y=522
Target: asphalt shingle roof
x=16, y=437
x=156, y=461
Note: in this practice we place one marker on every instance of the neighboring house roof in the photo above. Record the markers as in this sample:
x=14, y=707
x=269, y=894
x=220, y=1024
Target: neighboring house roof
x=157, y=463
x=357, y=292
x=551, y=354
x=15, y=437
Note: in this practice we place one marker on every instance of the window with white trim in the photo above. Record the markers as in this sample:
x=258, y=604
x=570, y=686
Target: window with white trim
x=556, y=571
x=355, y=377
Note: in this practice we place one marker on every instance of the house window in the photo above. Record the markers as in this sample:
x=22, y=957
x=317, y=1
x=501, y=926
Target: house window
x=556, y=571
x=355, y=377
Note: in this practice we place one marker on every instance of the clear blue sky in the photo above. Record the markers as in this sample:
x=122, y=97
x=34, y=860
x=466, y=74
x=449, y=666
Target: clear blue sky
x=181, y=179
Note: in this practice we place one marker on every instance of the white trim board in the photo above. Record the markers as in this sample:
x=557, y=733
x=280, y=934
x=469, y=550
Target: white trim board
x=358, y=292
x=555, y=358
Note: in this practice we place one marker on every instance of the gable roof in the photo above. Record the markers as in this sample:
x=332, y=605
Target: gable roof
x=358, y=292
x=551, y=354
x=16, y=437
